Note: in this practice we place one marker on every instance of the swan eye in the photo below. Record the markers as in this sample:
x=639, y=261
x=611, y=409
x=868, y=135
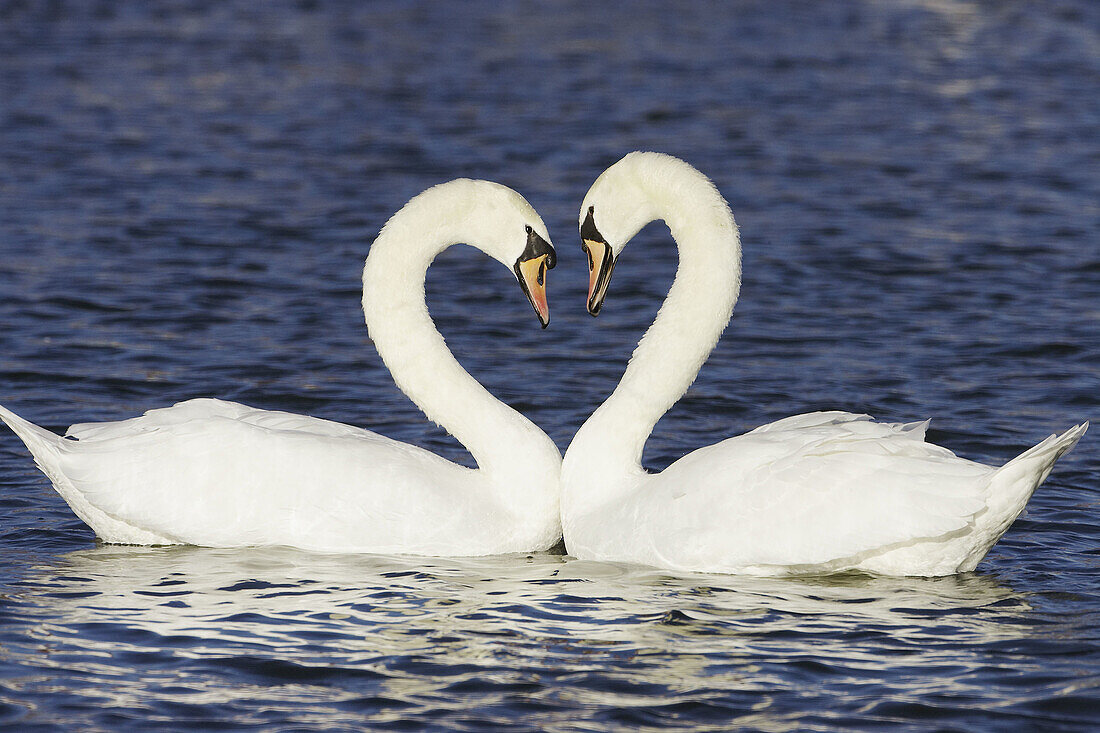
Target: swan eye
x=527, y=228
x=591, y=210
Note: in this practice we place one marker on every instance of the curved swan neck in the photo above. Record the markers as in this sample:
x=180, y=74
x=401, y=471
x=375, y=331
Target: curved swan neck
x=501, y=440
x=690, y=321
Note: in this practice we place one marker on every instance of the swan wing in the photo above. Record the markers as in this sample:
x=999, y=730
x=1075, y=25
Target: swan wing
x=217, y=473
x=207, y=408
x=813, y=489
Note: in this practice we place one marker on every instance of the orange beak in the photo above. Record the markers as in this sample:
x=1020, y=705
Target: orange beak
x=532, y=278
x=601, y=263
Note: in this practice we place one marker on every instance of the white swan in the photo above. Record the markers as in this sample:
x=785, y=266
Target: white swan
x=207, y=472
x=812, y=493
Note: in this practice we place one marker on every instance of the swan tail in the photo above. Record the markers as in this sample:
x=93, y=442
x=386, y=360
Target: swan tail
x=1035, y=463
x=50, y=451
x=43, y=444
x=1012, y=485
x=45, y=448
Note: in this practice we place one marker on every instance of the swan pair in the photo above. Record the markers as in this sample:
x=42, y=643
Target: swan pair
x=813, y=493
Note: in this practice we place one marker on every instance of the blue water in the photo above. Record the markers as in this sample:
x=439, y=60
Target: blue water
x=187, y=192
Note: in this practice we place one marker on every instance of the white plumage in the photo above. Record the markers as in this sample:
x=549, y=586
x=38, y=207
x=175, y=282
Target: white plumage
x=812, y=493
x=220, y=474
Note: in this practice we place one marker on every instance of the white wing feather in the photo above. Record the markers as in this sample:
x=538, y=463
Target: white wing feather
x=180, y=472
x=808, y=490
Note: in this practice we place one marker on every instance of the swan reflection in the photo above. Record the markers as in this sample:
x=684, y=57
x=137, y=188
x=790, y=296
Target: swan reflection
x=373, y=635
x=378, y=605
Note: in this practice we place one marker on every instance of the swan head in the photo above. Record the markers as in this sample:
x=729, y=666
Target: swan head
x=501, y=223
x=488, y=216
x=615, y=208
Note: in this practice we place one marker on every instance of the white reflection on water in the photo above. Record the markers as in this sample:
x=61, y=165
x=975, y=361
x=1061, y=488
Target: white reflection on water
x=199, y=626
x=173, y=589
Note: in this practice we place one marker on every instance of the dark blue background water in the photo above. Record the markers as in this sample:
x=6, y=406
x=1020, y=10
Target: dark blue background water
x=187, y=192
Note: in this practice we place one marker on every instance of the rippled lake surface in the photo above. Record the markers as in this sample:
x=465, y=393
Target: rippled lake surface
x=188, y=190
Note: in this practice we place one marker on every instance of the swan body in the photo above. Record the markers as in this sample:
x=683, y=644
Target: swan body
x=820, y=492
x=214, y=473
